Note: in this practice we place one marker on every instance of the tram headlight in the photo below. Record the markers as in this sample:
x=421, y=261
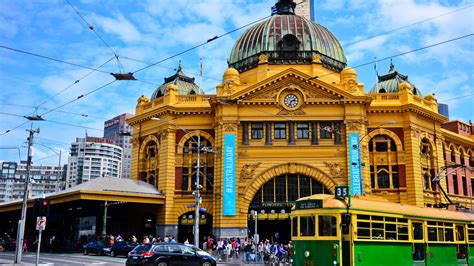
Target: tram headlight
x=306, y=253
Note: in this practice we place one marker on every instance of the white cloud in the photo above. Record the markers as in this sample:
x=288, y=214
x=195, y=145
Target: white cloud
x=119, y=26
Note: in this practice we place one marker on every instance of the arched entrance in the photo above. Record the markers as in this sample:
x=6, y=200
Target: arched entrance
x=186, y=225
x=273, y=202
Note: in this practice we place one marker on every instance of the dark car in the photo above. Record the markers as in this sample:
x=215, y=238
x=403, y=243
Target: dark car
x=164, y=254
x=119, y=248
x=94, y=246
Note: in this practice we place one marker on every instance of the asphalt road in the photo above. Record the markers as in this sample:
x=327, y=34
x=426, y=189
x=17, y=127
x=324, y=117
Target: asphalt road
x=7, y=258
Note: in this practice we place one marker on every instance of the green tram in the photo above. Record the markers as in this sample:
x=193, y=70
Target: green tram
x=373, y=231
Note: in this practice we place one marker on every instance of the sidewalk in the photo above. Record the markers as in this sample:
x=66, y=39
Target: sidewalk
x=233, y=260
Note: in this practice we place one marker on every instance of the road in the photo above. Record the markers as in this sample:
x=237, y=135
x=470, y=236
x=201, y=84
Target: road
x=7, y=258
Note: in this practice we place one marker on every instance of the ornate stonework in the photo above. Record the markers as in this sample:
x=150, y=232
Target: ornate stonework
x=336, y=169
x=248, y=170
x=263, y=59
x=354, y=125
x=229, y=127
x=228, y=87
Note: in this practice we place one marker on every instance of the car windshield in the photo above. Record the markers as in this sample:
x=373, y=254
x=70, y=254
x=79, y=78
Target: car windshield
x=141, y=248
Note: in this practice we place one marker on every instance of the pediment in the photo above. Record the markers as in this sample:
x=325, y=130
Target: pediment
x=313, y=90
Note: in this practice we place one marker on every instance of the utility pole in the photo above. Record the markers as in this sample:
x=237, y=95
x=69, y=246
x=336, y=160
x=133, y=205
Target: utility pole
x=24, y=206
x=104, y=220
x=198, y=198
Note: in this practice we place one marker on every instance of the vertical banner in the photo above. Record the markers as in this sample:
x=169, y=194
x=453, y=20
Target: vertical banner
x=229, y=182
x=354, y=157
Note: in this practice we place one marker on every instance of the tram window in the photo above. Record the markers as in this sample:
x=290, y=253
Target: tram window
x=363, y=230
x=390, y=231
x=432, y=236
x=327, y=226
x=295, y=226
x=460, y=233
x=470, y=233
x=448, y=234
x=307, y=226
x=305, y=189
x=417, y=231
x=402, y=231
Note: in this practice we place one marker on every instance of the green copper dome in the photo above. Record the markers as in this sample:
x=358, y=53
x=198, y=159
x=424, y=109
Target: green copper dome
x=286, y=38
x=389, y=83
x=185, y=85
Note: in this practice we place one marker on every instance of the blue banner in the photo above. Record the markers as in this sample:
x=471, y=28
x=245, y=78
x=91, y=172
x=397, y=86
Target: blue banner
x=229, y=195
x=354, y=157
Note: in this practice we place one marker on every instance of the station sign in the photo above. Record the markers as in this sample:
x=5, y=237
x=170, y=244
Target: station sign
x=342, y=192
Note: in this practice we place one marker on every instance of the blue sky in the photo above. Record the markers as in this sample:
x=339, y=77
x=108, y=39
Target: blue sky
x=150, y=31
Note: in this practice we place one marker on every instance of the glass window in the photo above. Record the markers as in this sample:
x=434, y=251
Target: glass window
x=280, y=130
x=295, y=226
x=383, y=177
x=325, y=129
x=292, y=187
x=307, y=226
x=185, y=180
x=268, y=191
x=280, y=189
x=327, y=226
x=303, y=130
x=305, y=186
x=455, y=184
x=257, y=130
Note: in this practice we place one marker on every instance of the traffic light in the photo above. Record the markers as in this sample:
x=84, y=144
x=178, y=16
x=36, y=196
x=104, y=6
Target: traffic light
x=41, y=207
x=346, y=223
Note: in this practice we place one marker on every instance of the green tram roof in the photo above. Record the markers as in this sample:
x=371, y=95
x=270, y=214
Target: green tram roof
x=382, y=206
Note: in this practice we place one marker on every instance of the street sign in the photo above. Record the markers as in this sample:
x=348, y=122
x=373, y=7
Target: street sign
x=40, y=223
x=342, y=192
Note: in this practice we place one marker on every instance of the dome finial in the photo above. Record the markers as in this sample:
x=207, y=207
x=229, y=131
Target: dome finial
x=392, y=67
x=285, y=7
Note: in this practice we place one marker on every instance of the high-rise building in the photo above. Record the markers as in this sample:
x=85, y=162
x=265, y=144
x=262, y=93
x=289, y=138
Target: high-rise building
x=44, y=179
x=93, y=158
x=118, y=131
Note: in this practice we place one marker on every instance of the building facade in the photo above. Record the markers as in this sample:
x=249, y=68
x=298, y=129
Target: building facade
x=44, y=179
x=291, y=119
x=118, y=131
x=92, y=158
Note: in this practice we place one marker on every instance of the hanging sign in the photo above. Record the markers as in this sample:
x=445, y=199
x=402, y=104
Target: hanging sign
x=229, y=196
x=354, y=156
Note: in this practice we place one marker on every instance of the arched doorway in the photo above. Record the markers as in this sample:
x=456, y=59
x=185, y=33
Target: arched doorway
x=273, y=202
x=186, y=226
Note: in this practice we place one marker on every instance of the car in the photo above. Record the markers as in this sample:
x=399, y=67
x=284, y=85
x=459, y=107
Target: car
x=169, y=254
x=119, y=248
x=94, y=246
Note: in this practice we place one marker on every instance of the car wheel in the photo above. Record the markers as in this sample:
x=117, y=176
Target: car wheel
x=206, y=263
x=112, y=254
x=162, y=263
x=85, y=252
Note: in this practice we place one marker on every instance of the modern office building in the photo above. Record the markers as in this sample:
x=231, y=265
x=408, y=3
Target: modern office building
x=288, y=120
x=44, y=179
x=118, y=131
x=92, y=158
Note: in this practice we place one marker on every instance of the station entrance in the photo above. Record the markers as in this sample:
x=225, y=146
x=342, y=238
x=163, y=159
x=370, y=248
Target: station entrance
x=270, y=208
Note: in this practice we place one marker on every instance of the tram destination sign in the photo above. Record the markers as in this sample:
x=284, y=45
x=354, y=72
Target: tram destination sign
x=309, y=204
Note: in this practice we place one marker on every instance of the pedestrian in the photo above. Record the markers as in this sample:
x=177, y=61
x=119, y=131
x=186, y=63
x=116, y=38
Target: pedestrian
x=25, y=246
x=134, y=239
x=220, y=248
x=186, y=241
x=227, y=250
x=173, y=240
x=111, y=240
x=146, y=240
x=210, y=242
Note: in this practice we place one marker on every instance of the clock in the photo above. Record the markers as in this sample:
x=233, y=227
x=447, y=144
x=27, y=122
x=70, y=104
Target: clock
x=291, y=100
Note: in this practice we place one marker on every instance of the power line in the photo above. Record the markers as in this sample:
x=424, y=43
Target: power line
x=74, y=83
x=409, y=25
x=56, y=141
x=199, y=45
x=52, y=59
x=12, y=129
x=467, y=95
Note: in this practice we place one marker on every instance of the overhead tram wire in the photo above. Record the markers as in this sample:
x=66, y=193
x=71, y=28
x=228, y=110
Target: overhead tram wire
x=74, y=83
x=408, y=25
x=78, y=97
x=59, y=111
x=91, y=27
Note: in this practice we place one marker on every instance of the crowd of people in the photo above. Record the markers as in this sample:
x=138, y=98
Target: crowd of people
x=8, y=243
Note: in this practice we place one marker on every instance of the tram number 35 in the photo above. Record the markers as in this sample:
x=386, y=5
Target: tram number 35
x=342, y=192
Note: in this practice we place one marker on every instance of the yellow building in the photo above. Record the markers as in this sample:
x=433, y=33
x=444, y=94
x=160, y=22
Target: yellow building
x=290, y=119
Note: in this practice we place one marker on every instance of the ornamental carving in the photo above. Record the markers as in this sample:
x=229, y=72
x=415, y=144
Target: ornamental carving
x=415, y=132
x=263, y=59
x=178, y=161
x=248, y=170
x=351, y=86
x=354, y=125
x=229, y=87
x=335, y=169
x=229, y=127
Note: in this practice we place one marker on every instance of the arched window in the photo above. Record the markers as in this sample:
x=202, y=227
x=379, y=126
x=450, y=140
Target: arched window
x=206, y=165
x=150, y=163
x=471, y=159
x=427, y=162
x=383, y=163
x=453, y=154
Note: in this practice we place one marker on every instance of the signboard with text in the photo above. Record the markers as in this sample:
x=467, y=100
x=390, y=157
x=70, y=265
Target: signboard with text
x=354, y=156
x=229, y=195
x=309, y=204
x=342, y=192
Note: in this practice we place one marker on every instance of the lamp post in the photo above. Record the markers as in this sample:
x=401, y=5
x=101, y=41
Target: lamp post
x=197, y=196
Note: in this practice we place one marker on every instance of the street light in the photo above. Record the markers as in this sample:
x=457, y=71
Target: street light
x=196, y=193
x=59, y=154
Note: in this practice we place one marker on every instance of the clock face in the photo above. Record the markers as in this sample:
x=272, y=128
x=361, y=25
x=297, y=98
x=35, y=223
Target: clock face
x=291, y=100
